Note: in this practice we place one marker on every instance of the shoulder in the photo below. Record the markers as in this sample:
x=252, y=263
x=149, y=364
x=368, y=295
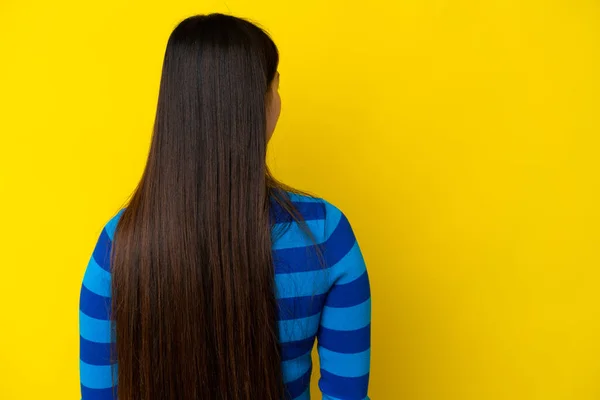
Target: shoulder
x=102, y=250
x=322, y=208
x=329, y=216
x=341, y=251
x=111, y=226
x=96, y=287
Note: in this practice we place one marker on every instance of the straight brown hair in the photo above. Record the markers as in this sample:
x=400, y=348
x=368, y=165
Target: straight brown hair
x=194, y=305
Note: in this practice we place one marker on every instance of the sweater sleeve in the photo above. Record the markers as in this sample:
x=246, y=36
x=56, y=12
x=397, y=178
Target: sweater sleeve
x=344, y=335
x=97, y=369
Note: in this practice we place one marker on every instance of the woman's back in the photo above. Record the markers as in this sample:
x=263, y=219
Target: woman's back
x=215, y=279
x=321, y=294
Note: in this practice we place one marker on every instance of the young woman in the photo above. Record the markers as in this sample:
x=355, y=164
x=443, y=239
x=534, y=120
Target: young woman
x=215, y=280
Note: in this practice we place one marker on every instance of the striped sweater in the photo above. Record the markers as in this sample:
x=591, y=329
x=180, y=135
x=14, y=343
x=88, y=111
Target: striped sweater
x=329, y=302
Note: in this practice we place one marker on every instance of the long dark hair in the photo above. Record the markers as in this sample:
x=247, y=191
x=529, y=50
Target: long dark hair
x=193, y=282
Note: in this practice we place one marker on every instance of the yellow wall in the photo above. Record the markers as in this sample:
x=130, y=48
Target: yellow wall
x=460, y=137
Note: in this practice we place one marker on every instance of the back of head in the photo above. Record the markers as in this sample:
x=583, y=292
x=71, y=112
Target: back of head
x=194, y=306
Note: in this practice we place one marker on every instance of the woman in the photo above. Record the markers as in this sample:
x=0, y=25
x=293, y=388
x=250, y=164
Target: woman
x=220, y=277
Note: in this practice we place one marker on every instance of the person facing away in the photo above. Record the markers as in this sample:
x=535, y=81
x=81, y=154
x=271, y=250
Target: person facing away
x=215, y=280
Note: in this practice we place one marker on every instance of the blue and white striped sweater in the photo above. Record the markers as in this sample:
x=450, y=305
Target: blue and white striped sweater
x=327, y=301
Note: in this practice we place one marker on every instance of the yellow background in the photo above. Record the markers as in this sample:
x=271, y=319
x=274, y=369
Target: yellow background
x=459, y=136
